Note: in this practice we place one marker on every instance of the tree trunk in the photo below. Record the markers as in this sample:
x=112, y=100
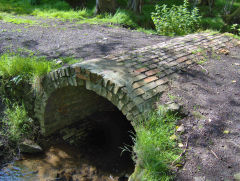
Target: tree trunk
x=135, y=5
x=234, y=17
x=105, y=6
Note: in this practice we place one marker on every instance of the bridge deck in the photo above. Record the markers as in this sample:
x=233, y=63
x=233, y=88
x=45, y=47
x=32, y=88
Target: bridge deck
x=132, y=81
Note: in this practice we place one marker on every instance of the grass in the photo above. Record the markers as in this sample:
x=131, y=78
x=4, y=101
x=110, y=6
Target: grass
x=154, y=149
x=6, y=17
x=17, y=122
x=12, y=65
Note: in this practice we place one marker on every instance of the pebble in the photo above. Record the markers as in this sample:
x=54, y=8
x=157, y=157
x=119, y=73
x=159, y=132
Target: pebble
x=181, y=129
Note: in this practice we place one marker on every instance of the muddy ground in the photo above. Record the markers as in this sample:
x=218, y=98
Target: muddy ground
x=209, y=92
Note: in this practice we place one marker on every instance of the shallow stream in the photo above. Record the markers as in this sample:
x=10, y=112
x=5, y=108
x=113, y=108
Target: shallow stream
x=100, y=159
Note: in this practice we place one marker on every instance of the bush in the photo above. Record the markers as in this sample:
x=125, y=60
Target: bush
x=177, y=20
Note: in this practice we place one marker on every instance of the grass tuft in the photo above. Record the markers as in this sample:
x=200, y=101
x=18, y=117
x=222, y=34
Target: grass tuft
x=154, y=148
x=12, y=65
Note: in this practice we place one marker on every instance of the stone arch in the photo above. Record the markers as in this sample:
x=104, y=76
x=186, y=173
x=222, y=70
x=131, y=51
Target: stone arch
x=82, y=80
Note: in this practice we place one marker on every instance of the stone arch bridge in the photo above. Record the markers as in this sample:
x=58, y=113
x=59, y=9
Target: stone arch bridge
x=132, y=81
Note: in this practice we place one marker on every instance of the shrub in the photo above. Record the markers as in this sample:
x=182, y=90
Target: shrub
x=177, y=20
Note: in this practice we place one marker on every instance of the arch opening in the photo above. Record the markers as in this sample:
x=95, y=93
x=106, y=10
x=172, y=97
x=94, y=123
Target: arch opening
x=92, y=124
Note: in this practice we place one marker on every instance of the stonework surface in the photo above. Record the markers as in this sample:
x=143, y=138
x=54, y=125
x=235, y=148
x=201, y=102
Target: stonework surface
x=132, y=81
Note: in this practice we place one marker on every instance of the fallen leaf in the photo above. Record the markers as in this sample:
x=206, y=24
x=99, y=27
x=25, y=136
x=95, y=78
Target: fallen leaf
x=179, y=165
x=226, y=131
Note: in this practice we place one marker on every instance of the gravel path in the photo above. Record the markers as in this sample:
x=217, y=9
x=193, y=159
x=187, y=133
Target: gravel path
x=56, y=39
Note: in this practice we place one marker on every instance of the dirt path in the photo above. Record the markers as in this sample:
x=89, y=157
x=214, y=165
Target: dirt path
x=211, y=94
x=56, y=39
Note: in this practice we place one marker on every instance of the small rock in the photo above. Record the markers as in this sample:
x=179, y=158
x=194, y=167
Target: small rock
x=59, y=62
x=237, y=176
x=29, y=146
x=181, y=129
x=173, y=107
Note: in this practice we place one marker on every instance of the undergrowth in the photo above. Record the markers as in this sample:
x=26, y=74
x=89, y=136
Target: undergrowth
x=177, y=20
x=17, y=76
x=154, y=149
x=17, y=123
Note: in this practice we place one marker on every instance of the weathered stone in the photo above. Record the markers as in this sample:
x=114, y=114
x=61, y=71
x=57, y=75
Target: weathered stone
x=173, y=107
x=30, y=147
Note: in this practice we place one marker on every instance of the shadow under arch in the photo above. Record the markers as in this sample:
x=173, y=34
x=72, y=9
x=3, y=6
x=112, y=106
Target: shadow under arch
x=74, y=92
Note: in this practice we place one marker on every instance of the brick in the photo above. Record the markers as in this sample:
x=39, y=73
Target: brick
x=130, y=106
x=139, y=91
x=143, y=69
x=162, y=81
x=152, y=72
x=138, y=84
x=150, y=79
x=83, y=77
x=189, y=62
x=182, y=59
x=172, y=64
x=149, y=86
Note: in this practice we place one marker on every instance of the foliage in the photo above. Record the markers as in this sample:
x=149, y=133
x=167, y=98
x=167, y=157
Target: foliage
x=61, y=9
x=154, y=149
x=177, y=20
x=17, y=122
x=19, y=73
x=236, y=29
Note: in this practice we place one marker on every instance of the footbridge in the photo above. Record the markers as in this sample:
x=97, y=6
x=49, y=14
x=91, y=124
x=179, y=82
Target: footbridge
x=131, y=81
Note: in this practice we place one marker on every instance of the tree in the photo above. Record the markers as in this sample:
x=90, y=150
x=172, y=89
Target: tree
x=106, y=6
x=135, y=5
